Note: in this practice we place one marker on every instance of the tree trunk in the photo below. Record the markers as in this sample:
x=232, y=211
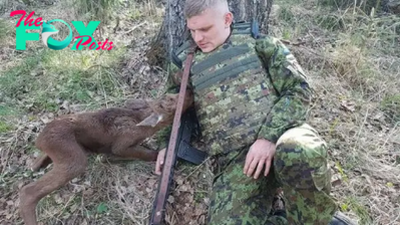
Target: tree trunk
x=173, y=30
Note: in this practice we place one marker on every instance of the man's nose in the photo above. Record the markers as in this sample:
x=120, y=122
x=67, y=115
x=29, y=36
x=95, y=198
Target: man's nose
x=198, y=37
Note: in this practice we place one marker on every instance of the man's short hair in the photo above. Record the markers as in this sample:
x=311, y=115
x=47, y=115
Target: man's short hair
x=196, y=7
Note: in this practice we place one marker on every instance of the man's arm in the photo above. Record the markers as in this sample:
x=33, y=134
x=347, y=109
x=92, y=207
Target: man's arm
x=289, y=81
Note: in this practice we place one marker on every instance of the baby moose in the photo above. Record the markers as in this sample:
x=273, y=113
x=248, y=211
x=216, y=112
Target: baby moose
x=116, y=132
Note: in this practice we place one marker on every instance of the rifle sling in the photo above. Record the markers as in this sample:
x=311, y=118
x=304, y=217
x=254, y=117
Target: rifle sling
x=167, y=172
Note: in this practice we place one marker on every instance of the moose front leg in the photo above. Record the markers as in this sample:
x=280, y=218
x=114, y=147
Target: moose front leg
x=132, y=153
x=128, y=148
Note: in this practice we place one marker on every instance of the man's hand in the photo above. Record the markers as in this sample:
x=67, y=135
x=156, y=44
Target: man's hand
x=160, y=161
x=259, y=155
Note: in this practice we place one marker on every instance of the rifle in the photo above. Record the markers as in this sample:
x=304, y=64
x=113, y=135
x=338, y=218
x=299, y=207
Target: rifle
x=179, y=145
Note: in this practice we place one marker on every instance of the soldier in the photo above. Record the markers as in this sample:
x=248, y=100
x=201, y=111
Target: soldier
x=251, y=100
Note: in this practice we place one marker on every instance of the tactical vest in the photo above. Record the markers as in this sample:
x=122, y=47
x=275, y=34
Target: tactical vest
x=233, y=93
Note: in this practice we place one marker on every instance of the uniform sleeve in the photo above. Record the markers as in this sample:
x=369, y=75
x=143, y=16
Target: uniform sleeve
x=289, y=81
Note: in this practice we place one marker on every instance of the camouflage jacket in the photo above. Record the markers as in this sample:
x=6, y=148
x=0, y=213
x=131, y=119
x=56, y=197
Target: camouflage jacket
x=247, y=88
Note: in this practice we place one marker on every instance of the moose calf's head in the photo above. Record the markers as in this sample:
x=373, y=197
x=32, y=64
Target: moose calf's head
x=164, y=109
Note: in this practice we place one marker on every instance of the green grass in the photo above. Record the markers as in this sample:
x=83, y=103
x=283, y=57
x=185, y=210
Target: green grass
x=45, y=79
x=6, y=115
x=353, y=204
x=5, y=127
x=5, y=31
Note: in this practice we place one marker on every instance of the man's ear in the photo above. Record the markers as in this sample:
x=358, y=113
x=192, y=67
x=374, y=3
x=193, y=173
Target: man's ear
x=151, y=120
x=228, y=19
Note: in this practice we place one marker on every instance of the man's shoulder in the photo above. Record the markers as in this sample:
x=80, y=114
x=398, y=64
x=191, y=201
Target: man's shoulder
x=265, y=41
x=180, y=53
x=269, y=46
x=184, y=47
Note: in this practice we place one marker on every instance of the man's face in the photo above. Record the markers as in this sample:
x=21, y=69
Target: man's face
x=210, y=29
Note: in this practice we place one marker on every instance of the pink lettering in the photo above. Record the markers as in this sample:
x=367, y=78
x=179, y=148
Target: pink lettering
x=17, y=12
x=84, y=43
x=98, y=47
x=28, y=19
x=92, y=46
x=104, y=45
x=111, y=46
x=38, y=20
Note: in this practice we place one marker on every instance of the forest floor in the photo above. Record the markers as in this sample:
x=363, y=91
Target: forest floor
x=352, y=59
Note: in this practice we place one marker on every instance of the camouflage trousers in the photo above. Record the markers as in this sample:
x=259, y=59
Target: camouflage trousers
x=300, y=168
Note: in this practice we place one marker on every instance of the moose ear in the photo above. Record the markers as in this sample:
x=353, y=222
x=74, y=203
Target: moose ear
x=151, y=120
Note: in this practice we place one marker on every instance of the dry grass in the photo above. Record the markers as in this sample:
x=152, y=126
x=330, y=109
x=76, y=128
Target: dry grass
x=352, y=59
x=38, y=84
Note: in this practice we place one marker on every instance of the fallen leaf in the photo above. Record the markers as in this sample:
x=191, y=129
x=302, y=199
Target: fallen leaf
x=101, y=208
x=58, y=198
x=152, y=182
x=8, y=216
x=171, y=199
x=149, y=190
x=74, y=208
x=88, y=191
x=336, y=180
x=348, y=106
x=65, y=105
x=46, y=118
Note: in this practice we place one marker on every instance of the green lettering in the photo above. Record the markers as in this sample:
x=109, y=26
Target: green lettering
x=22, y=36
x=82, y=30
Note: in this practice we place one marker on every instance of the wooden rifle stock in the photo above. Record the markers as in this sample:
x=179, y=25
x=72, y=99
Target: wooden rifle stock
x=158, y=214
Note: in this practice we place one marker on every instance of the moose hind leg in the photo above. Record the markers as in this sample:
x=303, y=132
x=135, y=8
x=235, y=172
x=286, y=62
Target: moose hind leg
x=32, y=193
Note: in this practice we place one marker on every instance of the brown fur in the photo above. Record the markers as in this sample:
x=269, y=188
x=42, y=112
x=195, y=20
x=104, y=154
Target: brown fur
x=115, y=131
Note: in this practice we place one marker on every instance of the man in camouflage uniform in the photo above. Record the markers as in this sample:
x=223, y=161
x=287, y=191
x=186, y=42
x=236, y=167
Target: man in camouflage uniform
x=251, y=99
